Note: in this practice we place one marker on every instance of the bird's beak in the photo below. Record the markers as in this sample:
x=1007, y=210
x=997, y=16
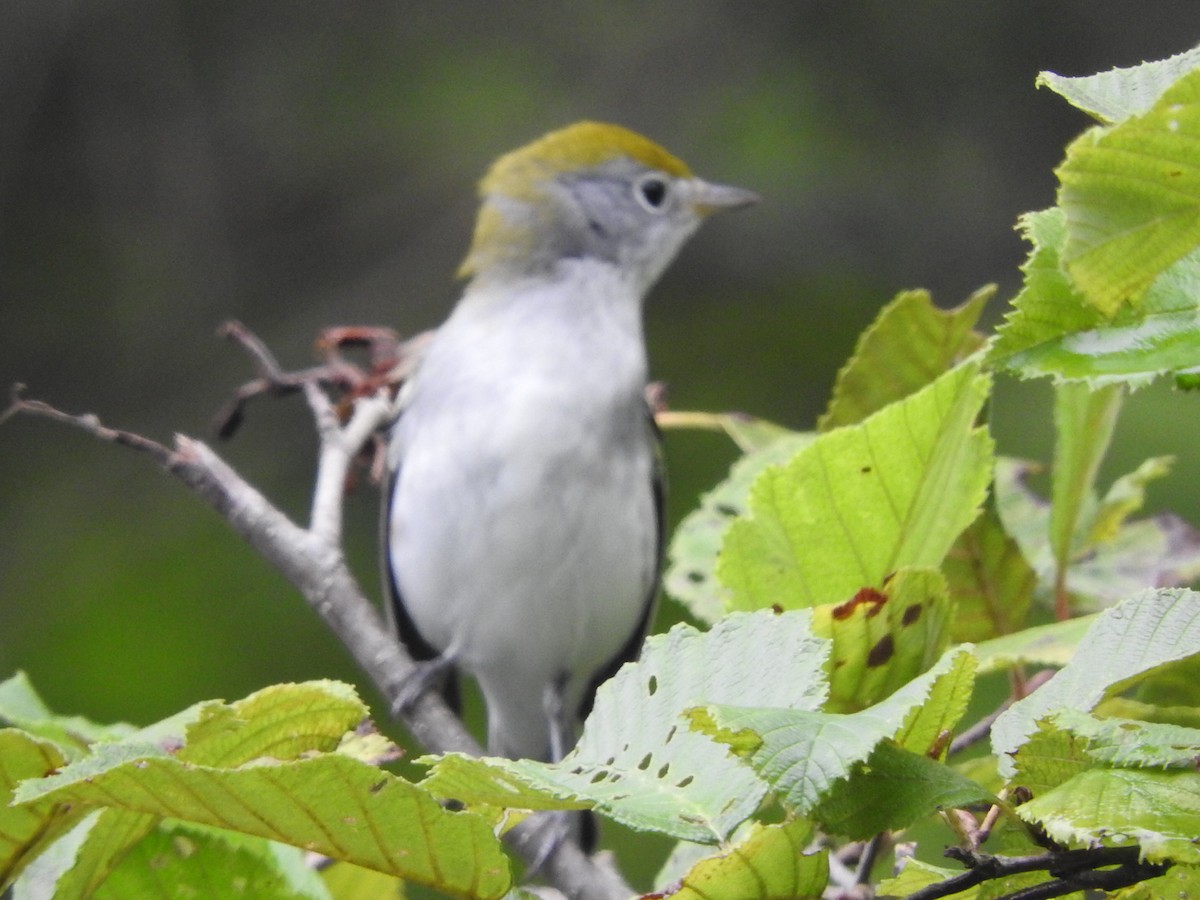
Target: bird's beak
x=707, y=198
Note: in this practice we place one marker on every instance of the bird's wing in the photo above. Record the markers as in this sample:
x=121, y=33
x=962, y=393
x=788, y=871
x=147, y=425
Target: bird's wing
x=632, y=647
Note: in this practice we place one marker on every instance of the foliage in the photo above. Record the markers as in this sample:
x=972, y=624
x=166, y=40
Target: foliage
x=862, y=585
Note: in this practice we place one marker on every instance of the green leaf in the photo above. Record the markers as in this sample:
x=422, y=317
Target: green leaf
x=1179, y=882
x=1042, y=645
x=26, y=831
x=989, y=581
x=918, y=874
x=692, y=556
x=884, y=638
x=185, y=861
x=347, y=882
x=893, y=789
x=636, y=761
x=330, y=804
x=1117, y=94
x=80, y=862
x=909, y=345
x=1132, y=743
x=1162, y=550
x=280, y=722
x=803, y=753
x=770, y=863
x=1132, y=638
x=1083, y=424
x=1126, y=496
x=862, y=501
x=1131, y=194
x=21, y=706
x=1053, y=331
x=1115, y=807
x=1051, y=757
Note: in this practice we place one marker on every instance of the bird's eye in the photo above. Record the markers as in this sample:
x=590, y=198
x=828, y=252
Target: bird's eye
x=652, y=192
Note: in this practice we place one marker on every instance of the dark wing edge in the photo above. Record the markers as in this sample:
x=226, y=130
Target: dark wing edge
x=633, y=647
x=396, y=613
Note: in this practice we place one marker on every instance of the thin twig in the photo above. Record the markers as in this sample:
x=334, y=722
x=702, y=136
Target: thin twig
x=1071, y=871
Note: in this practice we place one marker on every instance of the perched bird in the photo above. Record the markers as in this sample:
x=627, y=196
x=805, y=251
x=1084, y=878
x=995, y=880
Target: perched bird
x=523, y=519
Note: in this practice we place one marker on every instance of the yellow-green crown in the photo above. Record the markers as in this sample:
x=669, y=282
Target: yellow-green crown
x=579, y=146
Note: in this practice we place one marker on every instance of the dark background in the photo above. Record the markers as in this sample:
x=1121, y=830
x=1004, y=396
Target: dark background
x=166, y=165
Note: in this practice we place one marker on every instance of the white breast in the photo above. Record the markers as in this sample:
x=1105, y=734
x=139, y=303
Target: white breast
x=523, y=527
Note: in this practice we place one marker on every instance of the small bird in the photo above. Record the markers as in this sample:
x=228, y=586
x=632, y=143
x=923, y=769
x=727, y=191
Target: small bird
x=523, y=521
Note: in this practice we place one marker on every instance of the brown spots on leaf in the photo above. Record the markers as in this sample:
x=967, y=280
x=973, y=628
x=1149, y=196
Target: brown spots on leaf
x=883, y=651
x=912, y=614
x=868, y=596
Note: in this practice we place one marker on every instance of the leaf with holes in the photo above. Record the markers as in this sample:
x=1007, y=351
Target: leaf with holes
x=637, y=761
x=692, y=556
x=803, y=753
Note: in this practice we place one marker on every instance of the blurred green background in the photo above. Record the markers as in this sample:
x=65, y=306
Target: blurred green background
x=166, y=165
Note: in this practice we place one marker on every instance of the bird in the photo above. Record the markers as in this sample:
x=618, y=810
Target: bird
x=523, y=510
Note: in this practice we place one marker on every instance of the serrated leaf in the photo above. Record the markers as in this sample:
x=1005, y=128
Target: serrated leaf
x=21, y=706
x=909, y=345
x=636, y=761
x=280, y=721
x=862, y=501
x=770, y=863
x=1119, y=93
x=1053, y=331
x=989, y=581
x=692, y=556
x=1132, y=743
x=804, y=753
x=884, y=638
x=26, y=831
x=1116, y=807
x=331, y=804
x=1051, y=757
x=894, y=789
x=1042, y=645
x=1145, y=631
x=1131, y=194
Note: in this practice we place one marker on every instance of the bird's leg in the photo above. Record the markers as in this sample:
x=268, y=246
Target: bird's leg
x=558, y=718
x=427, y=675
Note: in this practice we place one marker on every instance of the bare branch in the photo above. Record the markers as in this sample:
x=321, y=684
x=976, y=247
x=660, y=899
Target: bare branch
x=1098, y=868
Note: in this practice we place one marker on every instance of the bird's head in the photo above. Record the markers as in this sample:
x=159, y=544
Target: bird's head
x=590, y=191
